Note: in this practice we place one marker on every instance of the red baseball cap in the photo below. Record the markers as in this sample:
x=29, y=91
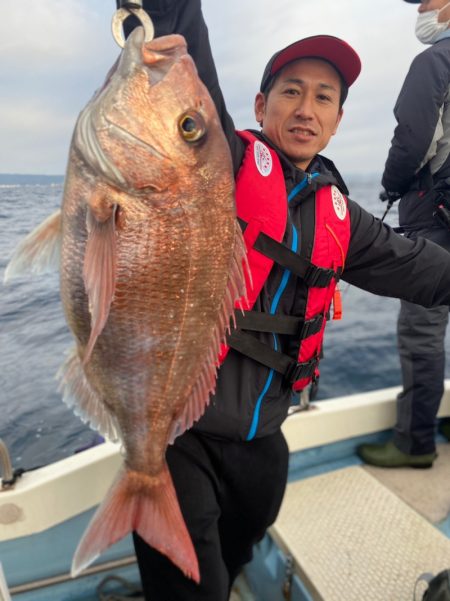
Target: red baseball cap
x=334, y=50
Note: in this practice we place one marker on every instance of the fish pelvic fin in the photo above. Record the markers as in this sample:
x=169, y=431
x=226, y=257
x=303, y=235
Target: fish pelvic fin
x=205, y=385
x=79, y=396
x=99, y=273
x=147, y=505
x=39, y=252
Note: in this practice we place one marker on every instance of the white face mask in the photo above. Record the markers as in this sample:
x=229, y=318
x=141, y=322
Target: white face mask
x=428, y=27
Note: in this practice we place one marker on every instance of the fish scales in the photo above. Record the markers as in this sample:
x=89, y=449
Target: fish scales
x=151, y=267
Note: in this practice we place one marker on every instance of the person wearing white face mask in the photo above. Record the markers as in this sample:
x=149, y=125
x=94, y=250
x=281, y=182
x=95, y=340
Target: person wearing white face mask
x=432, y=22
x=417, y=171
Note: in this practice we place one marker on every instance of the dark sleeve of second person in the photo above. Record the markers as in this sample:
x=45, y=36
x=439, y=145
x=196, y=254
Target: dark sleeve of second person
x=185, y=18
x=417, y=112
x=385, y=263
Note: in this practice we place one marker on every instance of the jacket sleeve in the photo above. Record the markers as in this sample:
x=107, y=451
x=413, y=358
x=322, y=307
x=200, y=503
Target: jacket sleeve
x=185, y=18
x=385, y=263
x=417, y=112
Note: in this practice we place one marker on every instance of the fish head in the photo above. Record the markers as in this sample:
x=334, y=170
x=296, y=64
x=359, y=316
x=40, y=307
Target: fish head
x=153, y=124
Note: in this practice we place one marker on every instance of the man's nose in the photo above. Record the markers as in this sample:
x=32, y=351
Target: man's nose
x=304, y=108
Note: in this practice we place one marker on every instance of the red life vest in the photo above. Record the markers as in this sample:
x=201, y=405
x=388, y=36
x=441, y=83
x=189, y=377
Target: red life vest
x=262, y=208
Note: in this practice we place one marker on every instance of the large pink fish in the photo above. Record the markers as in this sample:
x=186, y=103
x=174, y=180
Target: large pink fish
x=151, y=266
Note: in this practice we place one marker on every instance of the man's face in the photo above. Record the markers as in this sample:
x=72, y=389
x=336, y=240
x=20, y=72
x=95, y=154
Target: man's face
x=427, y=5
x=301, y=112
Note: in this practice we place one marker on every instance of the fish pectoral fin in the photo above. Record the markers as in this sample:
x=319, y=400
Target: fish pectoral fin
x=99, y=273
x=79, y=395
x=147, y=505
x=39, y=252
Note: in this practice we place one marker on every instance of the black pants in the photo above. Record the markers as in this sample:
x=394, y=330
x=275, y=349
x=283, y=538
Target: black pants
x=421, y=344
x=229, y=494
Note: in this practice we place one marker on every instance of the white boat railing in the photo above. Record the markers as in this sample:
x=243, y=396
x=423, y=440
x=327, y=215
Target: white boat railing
x=48, y=496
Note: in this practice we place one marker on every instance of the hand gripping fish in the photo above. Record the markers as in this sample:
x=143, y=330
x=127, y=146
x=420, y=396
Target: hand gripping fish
x=152, y=262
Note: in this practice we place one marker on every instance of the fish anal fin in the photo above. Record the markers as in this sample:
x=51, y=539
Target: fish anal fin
x=39, y=252
x=198, y=399
x=79, y=395
x=147, y=505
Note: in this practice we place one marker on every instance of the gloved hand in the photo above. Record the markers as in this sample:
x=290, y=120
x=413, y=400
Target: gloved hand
x=389, y=196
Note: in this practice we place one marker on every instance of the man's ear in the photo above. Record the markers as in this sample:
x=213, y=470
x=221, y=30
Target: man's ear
x=260, y=107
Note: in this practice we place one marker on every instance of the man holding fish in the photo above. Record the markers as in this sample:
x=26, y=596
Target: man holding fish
x=154, y=263
x=302, y=235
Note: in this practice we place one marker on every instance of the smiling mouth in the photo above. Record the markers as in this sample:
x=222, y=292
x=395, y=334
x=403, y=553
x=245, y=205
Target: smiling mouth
x=300, y=131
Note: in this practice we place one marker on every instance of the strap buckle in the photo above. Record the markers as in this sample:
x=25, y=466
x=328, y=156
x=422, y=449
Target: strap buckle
x=312, y=326
x=318, y=276
x=298, y=371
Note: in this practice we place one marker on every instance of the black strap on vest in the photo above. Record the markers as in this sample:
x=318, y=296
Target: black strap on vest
x=278, y=324
x=251, y=347
x=312, y=275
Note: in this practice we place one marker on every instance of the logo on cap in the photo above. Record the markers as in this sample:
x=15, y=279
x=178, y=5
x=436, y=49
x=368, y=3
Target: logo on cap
x=263, y=158
x=339, y=204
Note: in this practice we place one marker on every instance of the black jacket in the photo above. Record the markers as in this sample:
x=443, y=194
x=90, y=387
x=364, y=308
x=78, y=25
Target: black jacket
x=419, y=156
x=378, y=260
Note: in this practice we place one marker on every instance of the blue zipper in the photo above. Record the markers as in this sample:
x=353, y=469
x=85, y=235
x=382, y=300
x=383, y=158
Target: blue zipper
x=284, y=280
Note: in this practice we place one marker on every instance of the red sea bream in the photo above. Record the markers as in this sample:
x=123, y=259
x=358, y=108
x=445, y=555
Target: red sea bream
x=151, y=261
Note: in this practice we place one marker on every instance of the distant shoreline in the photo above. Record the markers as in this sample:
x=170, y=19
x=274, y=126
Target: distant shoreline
x=11, y=179
x=14, y=179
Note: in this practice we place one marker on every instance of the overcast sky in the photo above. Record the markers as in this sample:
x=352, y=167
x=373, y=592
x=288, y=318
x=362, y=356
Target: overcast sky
x=55, y=53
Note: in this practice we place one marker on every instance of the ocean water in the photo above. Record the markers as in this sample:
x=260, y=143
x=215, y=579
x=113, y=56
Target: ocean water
x=359, y=353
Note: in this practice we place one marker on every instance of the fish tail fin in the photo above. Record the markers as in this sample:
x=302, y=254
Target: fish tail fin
x=147, y=505
x=39, y=252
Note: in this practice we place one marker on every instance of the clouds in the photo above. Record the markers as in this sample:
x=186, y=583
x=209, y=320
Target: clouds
x=245, y=34
x=56, y=54
x=39, y=34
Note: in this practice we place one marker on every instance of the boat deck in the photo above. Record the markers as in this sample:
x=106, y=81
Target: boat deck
x=345, y=531
x=427, y=491
x=351, y=537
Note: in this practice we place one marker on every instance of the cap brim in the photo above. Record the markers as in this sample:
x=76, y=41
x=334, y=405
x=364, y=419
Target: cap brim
x=334, y=50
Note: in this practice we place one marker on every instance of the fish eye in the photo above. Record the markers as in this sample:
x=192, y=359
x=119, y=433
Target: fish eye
x=192, y=126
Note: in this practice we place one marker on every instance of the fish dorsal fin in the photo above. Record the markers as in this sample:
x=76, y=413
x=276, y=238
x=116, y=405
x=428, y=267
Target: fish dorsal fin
x=39, y=252
x=80, y=396
x=206, y=383
x=99, y=271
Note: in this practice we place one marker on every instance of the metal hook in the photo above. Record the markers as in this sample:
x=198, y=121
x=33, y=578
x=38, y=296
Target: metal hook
x=125, y=11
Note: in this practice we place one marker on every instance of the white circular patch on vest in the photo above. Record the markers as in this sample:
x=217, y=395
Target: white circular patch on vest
x=263, y=158
x=339, y=204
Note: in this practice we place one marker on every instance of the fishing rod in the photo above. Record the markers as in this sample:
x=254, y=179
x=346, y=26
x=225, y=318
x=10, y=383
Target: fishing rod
x=390, y=197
